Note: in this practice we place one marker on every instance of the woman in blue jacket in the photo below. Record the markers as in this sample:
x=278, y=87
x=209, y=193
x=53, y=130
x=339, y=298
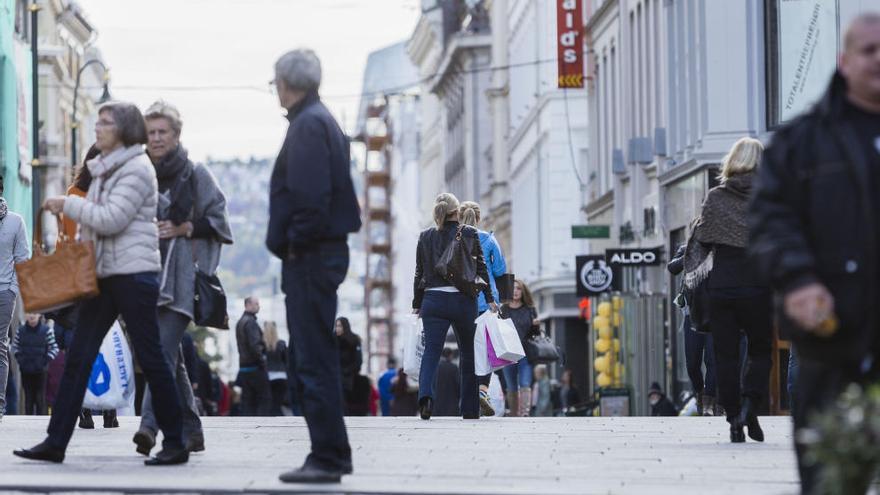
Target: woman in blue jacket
x=469, y=214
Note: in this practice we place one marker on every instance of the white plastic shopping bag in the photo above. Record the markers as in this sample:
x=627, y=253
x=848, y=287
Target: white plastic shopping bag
x=413, y=347
x=496, y=395
x=504, y=337
x=486, y=359
x=111, y=383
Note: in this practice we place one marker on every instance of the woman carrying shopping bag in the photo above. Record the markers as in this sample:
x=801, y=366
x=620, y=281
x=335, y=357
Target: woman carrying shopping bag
x=469, y=213
x=118, y=215
x=450, y=272
x=521, y=310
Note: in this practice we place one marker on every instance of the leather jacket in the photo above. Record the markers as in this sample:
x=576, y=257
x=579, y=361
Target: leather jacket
x=432, y=243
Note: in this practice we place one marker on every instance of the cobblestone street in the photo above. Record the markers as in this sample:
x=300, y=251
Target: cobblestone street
x=442, y=456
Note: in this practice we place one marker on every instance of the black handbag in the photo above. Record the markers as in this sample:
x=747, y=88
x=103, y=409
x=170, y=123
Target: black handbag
x=538, y=346
x=458, y=265
x=209, y=309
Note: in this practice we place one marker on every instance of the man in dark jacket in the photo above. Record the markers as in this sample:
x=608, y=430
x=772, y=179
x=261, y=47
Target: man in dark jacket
x=815, y=227
x=256, y=397
x=312, y=209
x=447, y=388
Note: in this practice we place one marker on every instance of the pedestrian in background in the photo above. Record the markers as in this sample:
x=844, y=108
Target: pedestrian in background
x=470, y=214
x=660, y=404
x=739, y=301
x=518, y=376
x=406, y=395
x=384, y=385
x=193, y=227
x=276, y=361
x=440, y=304
x=542, y=392
x=351, y=356
x=815, y=230
x=312, y=209
x=14, y=248
x=34, y=348
x=569, y=396
x=447, y=388
x=698, y=348
x=253, y=375
x=118, y=215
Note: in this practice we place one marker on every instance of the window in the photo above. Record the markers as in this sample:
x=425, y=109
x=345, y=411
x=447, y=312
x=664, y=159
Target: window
x=22, y=20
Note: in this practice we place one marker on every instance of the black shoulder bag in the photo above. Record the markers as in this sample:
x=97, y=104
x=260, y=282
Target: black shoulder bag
x=458, y=265
x=539, y=348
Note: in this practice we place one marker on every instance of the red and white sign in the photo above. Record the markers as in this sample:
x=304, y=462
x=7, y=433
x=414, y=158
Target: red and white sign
x=570, y=41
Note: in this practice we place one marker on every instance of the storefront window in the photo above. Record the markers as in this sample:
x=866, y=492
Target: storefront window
x=802, y=45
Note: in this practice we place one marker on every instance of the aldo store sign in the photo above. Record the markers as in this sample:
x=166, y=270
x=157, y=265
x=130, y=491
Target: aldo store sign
x=633, y=257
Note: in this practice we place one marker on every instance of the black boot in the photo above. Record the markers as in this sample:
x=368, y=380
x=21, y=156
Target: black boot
x=749, y=418
x=698, y=396
x=168, y=457
x=41, y=452
x=110, y=420
x=736, y=430
x=426, y=406
x=85, y=420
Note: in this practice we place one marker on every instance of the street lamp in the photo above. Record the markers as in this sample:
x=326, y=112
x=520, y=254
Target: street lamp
x=105, y=97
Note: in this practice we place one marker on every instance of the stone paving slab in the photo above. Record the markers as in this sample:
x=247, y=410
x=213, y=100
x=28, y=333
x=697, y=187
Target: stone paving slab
x=509, y=456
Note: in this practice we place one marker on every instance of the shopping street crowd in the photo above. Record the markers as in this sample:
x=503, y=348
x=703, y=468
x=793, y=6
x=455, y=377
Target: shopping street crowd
x=790, y=236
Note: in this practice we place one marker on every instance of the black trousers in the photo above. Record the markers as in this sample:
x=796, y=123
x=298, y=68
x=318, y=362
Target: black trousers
x=279, y=396
x=134, y=297
x=816, y=388
x=256, y=395
x=729, y=319
x=34, y=386
x=310, y=280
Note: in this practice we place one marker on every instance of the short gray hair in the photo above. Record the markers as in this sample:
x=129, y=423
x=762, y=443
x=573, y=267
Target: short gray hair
x=164, y=110
x=300, y=70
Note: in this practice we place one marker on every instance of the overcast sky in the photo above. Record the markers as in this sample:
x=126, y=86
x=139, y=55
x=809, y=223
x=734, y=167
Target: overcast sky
x=178, y=50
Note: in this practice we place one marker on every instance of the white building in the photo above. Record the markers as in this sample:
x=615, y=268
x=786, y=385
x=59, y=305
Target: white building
x=674, y=84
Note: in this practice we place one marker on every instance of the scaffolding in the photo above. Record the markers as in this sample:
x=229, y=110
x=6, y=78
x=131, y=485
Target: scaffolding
x=378, y=287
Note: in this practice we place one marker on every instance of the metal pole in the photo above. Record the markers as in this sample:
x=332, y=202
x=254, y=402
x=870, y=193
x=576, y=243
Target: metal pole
x=35, y=109
x=73, y=123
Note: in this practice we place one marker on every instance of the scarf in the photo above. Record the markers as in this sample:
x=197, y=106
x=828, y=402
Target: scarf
x=174, y=172
x=4, y=208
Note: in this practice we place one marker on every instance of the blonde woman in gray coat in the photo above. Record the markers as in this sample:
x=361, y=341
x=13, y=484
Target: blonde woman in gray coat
x=118, y=215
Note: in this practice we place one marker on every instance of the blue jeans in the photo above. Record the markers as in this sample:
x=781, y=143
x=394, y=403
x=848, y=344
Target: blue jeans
x=309, y=280
x=518, y=375
x=134, y=297
x=439, y=311
x=698, y=350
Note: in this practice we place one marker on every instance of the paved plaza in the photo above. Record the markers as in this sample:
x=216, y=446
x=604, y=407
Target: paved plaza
x=441, y=456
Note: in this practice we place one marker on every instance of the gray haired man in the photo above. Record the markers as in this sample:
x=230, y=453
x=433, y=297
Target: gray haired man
x=312, y=209
x=13, y=249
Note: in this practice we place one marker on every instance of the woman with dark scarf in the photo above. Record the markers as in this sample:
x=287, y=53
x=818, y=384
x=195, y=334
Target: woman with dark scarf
x=193, y=226
x=738, y=302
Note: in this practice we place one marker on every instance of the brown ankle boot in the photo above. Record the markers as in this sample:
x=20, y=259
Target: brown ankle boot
x=512, y=404
x=525, y=402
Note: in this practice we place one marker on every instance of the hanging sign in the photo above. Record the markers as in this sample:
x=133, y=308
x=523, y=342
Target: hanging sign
x=594, y=276
x=570, y=41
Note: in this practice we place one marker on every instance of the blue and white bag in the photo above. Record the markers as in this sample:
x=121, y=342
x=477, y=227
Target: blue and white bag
x=111, y=383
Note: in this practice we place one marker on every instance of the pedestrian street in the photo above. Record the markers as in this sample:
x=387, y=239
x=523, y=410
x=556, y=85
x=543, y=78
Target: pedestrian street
x=679, y=455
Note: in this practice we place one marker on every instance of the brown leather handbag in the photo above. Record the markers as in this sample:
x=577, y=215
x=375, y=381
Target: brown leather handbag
x=51, y=281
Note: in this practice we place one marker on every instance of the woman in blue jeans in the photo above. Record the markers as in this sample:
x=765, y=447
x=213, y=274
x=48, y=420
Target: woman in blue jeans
x=118, y=215
x=521, y=310
x=440, y=304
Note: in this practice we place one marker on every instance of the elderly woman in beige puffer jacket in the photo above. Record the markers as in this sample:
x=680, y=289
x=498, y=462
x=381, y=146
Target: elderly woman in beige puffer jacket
x=118, y=214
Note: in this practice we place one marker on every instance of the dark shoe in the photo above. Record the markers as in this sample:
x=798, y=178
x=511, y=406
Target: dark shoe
x=110, y=420
x=736, y=430
x=85, y=420
x=168, y=457
x=145, y=441
x=470, y=416
x=41, y=452
x=709, y=405
x=311, y=474
x=196, y=442
x=750, y=419
x=426, y=406
x=698, y=397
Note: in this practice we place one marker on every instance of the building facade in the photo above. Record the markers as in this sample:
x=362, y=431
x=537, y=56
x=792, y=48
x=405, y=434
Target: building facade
x=674, y=83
